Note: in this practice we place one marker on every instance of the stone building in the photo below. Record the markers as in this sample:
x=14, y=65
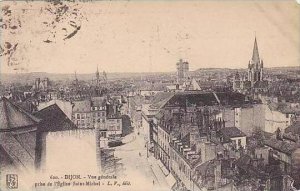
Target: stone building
x=187, y=120
x=89, y=113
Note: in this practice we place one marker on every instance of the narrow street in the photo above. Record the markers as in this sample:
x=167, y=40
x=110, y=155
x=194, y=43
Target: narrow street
x=143, y=172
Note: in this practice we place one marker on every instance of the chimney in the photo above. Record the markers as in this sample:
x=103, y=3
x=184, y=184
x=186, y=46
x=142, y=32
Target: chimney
x=279, y=134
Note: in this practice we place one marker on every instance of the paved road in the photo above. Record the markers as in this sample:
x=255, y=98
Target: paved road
x=143, y=174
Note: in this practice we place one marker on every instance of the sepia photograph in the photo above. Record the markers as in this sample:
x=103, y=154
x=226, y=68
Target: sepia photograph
x=149, y=95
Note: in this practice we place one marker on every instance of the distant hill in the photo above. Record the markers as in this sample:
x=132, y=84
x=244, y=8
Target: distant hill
x=213, y=69
x=30, y=77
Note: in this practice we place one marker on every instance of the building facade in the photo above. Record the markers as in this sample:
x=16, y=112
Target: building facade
x=89, y=114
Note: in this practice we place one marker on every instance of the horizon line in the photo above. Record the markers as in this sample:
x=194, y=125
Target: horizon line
x=145, y=72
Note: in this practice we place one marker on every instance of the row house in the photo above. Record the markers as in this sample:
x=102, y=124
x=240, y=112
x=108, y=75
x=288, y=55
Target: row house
x=89, y=113
x=285, y=154
x=198, y=163
x=188, y=109
x=183, y=161
x=274, y=165
x=195, y=123
x=99, y=113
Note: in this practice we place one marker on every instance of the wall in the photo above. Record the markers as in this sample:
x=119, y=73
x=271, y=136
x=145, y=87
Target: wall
x=146, y=128
x=228, y=116
x=164, y=146
x=64, y=152
x=275, y=120
x=181, y=168
x=207, y=150
x=248, y=119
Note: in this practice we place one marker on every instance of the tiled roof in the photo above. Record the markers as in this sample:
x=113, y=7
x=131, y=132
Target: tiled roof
x=12, y=116
x=205, y=171
x=205, y=99
x=231, y=132
x=98, y=101
x=5, y=158
x=283, y=108
x=290, y=136
x=282, y=146
x=82, y=106
x=230, y=98
x=21, y=154
x=243, y=162
x=188, y=99
x=54, y=119
x=294, y=129
x=159, y=115
x=197, y=98
x=160, y=99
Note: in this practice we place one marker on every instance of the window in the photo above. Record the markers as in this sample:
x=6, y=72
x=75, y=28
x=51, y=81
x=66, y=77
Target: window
x=103, y=134
x=192, y=119
x=239, y=142
x=78, y=116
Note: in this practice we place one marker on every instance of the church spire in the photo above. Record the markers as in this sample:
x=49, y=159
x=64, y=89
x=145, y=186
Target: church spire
x=97, y=73
x=76, y=79
x=255, y=55
x=75, y=75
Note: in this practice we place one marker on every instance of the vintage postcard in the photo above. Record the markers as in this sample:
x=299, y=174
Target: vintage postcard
x=148, y=95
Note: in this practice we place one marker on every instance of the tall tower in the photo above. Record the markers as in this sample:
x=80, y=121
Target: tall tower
x=76, y=82
x=255, y=66
x=97, y=76
x=182, y=71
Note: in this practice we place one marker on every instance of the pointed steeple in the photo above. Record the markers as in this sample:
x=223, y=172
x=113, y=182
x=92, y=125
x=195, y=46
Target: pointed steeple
x=255, y=55
x=97, y=73
x=76, y=79
x=76, y=76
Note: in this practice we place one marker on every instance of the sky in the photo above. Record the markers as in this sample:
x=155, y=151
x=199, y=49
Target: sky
x=151, y=36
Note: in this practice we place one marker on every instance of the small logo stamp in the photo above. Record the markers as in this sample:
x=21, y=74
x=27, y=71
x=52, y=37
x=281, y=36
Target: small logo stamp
x=12, y=181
